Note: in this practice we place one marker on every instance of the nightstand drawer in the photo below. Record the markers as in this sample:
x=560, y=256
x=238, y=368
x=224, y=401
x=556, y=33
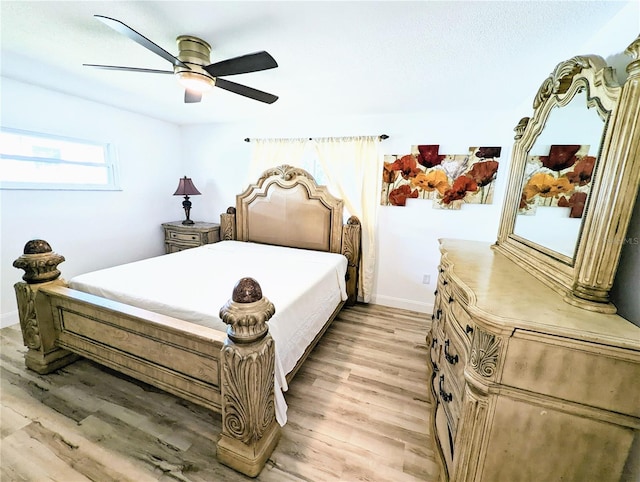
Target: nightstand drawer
x=188, y=237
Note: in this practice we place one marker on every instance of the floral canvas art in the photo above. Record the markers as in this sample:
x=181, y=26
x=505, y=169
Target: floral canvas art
x=449, y=180
x=562, y=178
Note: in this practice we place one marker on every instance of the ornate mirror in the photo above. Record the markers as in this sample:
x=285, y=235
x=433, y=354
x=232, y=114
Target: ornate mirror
x=574, y=177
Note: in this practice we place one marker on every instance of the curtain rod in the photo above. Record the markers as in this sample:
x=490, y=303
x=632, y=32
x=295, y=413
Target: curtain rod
x=382, y=137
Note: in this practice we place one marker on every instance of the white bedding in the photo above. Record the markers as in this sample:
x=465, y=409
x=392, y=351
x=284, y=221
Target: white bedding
x=192, y=285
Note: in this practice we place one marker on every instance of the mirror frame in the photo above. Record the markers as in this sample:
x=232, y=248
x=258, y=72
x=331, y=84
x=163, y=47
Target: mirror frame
x=586, y=279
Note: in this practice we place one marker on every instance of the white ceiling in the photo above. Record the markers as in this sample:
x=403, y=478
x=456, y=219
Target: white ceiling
x=335, y=58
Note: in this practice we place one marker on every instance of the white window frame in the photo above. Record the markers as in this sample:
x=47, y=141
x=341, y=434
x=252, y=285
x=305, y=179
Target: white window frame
x=109, y=164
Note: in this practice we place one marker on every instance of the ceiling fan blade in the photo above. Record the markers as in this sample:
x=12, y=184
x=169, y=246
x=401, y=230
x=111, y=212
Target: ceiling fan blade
x=191, y=97
x=242, y=65
x=246, y=91
x=127, y=31
x=129, y=69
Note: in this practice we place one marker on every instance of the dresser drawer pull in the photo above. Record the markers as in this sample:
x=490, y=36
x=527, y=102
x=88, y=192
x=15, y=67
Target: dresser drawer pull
x=441, y=270
x=445, y=282
x=435, y=293
x=434, y=342
x=433, y=317
x=450, y=299
x=447, y=397
x=438, y=313
x=453, y=359
x=468, y=329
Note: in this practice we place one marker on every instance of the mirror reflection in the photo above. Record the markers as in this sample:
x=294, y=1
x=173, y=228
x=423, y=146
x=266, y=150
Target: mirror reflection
x=557, y=178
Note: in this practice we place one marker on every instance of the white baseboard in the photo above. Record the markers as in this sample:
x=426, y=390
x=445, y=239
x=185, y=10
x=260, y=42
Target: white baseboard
x=8, y=319
x=402, y=303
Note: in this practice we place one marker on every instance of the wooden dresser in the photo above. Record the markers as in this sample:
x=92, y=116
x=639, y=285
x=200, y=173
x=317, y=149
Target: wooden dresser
x=528, y=387
x=178, y=236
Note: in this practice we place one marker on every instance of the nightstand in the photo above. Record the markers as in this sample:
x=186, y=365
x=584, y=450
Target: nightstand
x=178, y=236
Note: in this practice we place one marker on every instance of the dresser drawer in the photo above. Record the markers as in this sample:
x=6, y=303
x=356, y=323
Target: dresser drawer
x=448, y=389
x=448, y=397
x=598, y=376
x=444, y=285
x=454, y=355
x=461, y=321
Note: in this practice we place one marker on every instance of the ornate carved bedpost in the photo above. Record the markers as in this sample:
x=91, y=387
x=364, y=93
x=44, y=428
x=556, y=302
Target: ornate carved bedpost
x=40, y=265
x=351, y=233
x=249, y=428
x=228, y=224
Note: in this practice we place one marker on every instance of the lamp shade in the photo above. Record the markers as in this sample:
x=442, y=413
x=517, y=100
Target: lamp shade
x=186, y=188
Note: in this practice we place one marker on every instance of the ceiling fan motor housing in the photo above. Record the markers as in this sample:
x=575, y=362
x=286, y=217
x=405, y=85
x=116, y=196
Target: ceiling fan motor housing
x=194, y=52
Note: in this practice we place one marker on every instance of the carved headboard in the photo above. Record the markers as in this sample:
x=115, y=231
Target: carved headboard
x=286, y=207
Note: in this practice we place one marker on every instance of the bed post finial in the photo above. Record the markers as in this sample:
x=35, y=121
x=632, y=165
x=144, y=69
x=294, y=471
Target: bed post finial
x=40, y=265
x=249, y=428
x=39, y=262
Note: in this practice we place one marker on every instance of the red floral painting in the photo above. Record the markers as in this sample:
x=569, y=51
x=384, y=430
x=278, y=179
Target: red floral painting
x=562, y=178
x=449, y=180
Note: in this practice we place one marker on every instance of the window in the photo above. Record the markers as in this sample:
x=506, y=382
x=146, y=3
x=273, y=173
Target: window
x=311, y=164
x=30, y=160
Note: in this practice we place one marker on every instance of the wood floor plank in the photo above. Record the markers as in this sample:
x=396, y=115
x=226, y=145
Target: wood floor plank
x=359, y=410
x=12, y=421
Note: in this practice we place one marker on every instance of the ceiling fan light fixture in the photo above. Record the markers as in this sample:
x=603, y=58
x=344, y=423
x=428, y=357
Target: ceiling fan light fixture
x=195, y=81
x=193, y=68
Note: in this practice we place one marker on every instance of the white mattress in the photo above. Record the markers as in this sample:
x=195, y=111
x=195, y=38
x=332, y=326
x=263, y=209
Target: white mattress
x=192, y=285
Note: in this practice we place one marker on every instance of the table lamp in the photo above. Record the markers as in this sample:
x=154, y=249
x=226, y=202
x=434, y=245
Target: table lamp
x=186, y=189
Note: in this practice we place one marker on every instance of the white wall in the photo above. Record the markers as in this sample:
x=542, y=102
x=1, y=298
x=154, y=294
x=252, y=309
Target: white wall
x=91, y=229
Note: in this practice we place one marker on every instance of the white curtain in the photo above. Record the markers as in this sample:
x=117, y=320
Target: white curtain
x=268, y=153
x=351, y=166
x=352, y=169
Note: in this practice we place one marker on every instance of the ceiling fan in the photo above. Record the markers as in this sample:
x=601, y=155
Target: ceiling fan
x=192, y=65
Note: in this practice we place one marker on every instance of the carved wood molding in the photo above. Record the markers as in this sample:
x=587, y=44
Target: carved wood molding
x=485, y=349
x=26, y=296
x=247, y=380
x=228, y=224
x=38, y=334
x=351, y=238
x=472, y=420
x=248, y=390
x=247, y=322
x=39, y=262
x=40, y=265
x=562, y=77
x=520, y=128
x=286, y=172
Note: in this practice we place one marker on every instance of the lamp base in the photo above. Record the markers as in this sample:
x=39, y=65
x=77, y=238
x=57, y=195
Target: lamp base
x=186, y=204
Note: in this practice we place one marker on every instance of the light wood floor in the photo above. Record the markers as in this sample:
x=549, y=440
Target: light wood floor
x=358, y=411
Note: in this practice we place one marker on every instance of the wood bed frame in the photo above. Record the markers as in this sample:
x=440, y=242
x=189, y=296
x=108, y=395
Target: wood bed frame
x=232, y=374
